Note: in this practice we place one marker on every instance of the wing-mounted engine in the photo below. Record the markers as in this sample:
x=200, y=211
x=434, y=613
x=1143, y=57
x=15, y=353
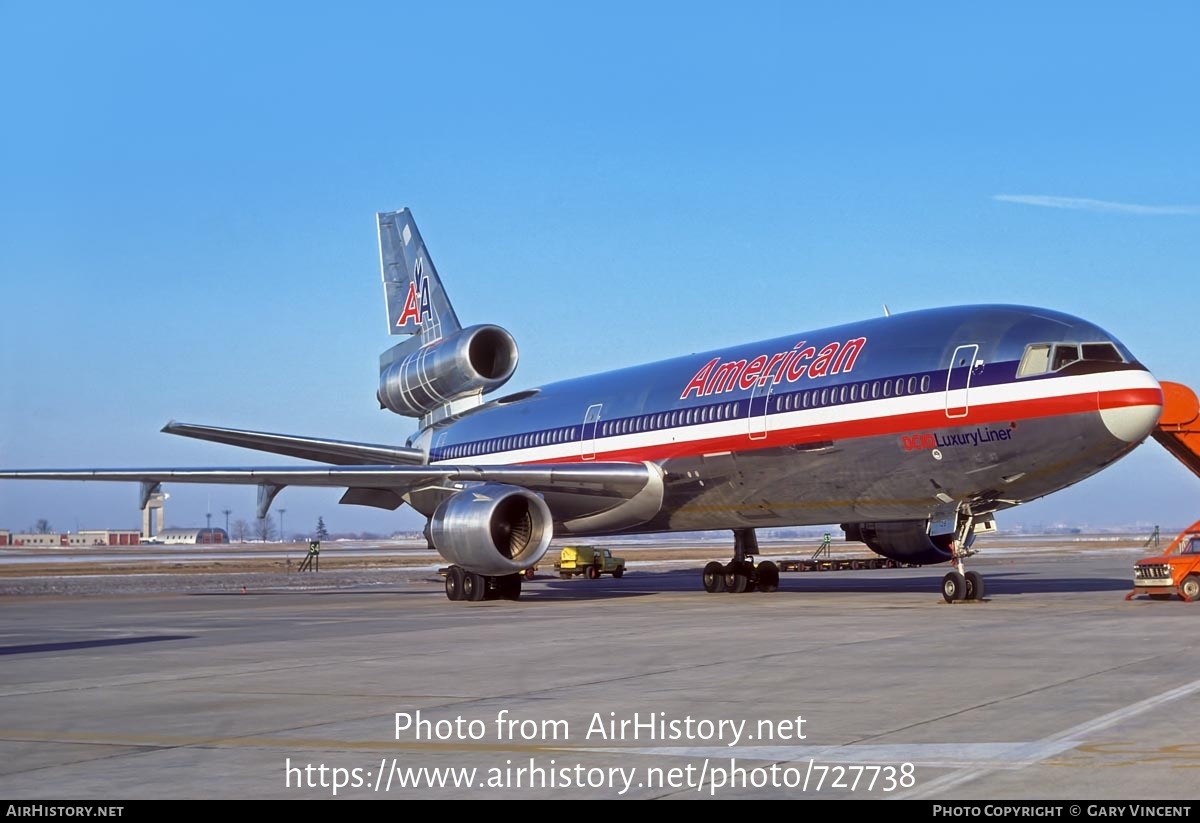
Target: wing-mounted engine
x=492, y=529
x=922, y=542
x=415, y=379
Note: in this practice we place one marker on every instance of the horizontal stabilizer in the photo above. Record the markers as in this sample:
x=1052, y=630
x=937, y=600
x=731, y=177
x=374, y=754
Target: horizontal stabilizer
x=337, y=452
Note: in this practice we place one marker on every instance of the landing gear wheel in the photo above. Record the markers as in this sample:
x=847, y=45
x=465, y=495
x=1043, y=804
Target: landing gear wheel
x=509, y=586
x=592, y=573
x=528, y=573
x=714, y=577
x=474, y=587
x=454, y=583
x=736, y=582
x=768, y=577
x=1190, y=587
x=974, y=586
x=954, y=587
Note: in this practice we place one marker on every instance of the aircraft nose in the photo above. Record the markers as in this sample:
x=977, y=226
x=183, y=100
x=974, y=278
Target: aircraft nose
x=1133, y=414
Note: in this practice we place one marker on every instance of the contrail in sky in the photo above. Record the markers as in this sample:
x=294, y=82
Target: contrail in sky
x=1087, y=204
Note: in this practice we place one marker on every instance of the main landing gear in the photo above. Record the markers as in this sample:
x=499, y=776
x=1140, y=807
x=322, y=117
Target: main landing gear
x=464, y=585
x=741, y=574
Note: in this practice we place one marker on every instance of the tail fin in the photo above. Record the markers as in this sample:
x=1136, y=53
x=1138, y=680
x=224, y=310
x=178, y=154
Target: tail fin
x=416, y=301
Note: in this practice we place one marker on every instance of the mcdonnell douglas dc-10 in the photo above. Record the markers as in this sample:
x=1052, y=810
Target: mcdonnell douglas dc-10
x=910, y=430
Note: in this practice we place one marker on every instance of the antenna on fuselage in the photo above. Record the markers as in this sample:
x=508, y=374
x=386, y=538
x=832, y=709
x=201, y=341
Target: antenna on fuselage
x=886, y=311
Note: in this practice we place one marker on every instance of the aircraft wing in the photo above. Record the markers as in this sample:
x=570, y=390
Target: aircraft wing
x=337, y=452
x=573, y=491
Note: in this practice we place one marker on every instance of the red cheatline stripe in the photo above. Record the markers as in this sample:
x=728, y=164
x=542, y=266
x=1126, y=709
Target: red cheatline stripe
x=911, y=423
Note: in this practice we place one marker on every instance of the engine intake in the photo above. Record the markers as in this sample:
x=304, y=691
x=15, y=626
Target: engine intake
x=492, y=529
x=907, y=541
x=474, y=359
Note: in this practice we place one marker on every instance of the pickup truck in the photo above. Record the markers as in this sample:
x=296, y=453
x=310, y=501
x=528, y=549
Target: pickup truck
x=589, y=561
x=1175, y=572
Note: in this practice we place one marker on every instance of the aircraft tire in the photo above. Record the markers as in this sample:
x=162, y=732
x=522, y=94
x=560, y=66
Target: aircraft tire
x=510, y=586
x=454, y=583
x=736, y=582
x=974, y=582
x=474, y=587
x=714, y=577
x=954, y=587
x=768, y=577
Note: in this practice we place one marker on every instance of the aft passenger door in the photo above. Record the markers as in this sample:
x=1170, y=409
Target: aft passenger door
x=958, y=380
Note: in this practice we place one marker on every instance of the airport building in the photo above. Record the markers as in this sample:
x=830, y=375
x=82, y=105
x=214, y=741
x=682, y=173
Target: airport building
x=81, y=539
x=191, y=537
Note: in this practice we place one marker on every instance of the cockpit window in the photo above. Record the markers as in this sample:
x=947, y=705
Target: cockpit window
x=1104, y=352
x=1040, y=358
x=1064, y=355
x=1035, y=361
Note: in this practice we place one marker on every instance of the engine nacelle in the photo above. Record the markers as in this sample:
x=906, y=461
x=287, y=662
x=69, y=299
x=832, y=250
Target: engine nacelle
x=475, y=359
x=492, y=529
x=906, y=541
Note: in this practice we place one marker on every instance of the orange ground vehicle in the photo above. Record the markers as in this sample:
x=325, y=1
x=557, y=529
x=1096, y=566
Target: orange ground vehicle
x=1175, y=572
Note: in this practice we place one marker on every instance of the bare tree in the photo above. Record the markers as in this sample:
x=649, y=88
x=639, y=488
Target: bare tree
x=43, y=526
x=241, y=530
x=264, y=529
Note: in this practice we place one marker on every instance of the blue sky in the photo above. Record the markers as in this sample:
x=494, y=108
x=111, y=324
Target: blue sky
x=188, y=197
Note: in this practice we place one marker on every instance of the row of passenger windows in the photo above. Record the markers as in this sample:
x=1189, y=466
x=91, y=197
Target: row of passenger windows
x=810, y=399
x=516, y=441
x=852, y=393
x=669, y=420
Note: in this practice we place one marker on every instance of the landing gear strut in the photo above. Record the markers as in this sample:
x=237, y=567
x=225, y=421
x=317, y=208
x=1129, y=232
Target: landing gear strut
x=741, y=574
x=961, y=584
x=464, y=585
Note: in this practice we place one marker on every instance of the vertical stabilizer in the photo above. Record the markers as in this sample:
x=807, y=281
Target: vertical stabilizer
x=416, y=301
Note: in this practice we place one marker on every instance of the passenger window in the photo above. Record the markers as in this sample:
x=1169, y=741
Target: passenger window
x=925, y=383
x=912, y=385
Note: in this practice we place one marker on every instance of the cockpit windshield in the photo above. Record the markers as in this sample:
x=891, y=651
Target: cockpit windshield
x=1040, y=358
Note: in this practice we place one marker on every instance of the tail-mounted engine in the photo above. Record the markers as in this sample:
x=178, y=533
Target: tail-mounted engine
x=492, y=529
x=414, y=380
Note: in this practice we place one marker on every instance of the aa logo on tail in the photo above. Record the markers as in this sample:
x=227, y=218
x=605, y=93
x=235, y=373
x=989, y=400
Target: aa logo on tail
x=417, y=306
